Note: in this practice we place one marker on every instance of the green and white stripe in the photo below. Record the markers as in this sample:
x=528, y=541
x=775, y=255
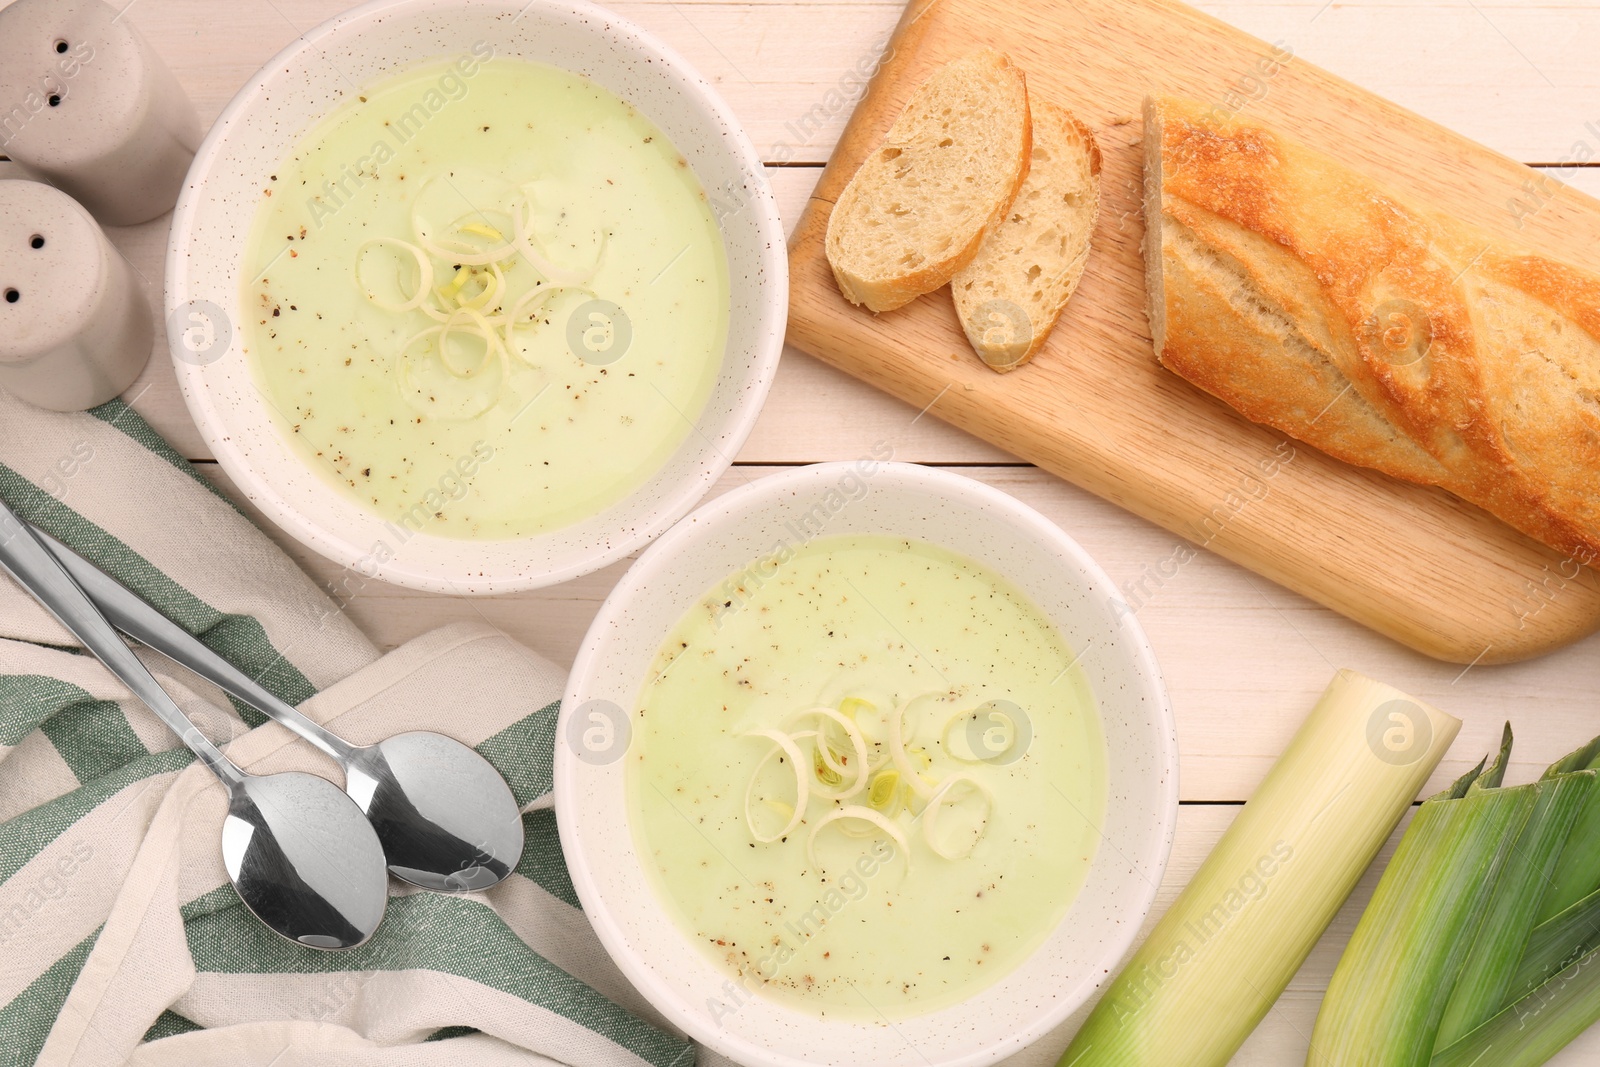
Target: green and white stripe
x=120, y=939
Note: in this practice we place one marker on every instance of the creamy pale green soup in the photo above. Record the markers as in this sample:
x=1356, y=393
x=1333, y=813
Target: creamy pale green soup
x=487, y=298
x=857, y=915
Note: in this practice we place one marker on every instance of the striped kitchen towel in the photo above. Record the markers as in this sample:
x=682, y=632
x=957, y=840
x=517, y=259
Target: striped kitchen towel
x=121, y=940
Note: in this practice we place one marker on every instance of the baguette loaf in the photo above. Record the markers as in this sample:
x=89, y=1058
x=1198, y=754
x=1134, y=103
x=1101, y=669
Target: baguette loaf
x=921, y=204
x=1309, y=298
x=1009, y=297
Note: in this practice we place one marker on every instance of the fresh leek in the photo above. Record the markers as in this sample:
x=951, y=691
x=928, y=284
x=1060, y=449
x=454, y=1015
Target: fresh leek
x=1225, y=951
x=1479, y=945
x=1529, y=1032
x=1579, y=870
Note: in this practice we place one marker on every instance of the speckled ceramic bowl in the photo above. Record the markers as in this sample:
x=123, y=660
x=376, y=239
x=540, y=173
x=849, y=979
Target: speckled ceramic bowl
x=317, y=73
x=902, y=500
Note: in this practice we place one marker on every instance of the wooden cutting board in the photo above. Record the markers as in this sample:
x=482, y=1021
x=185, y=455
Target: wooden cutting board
x=1095, y=407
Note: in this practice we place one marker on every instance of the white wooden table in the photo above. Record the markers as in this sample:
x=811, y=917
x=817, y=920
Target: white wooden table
x=1244, y=659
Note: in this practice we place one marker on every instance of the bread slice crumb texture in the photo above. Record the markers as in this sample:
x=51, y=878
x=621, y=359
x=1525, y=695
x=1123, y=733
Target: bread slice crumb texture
x=920, y=206
x=1009, y=297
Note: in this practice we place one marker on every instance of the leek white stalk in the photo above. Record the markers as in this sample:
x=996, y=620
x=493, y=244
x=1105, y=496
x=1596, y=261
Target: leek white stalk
x=1227, y=948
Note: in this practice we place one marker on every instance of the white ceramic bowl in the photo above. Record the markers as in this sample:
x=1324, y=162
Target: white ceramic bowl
x=982, y=524
x=298, y=88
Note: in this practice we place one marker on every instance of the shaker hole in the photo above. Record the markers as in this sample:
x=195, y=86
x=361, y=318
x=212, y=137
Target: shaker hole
x=12, y=296
x=37, y=241
x=61, y=46
x=55, y=100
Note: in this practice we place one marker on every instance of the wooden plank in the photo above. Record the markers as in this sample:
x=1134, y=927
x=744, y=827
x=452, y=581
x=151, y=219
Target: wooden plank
x=1515, y=76
x=1095, y=407
x=1243, y=660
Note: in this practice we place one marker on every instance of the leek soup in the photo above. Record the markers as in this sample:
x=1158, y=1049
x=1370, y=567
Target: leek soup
x=866, y=777
x=485, y=298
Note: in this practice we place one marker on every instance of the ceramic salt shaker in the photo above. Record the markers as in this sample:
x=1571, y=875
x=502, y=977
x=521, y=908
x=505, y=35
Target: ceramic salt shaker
x=88, y=106
x=75, y=327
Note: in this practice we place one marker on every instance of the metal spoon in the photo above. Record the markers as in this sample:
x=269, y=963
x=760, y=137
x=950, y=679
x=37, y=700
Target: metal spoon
x=446, y=818
x=303, y=858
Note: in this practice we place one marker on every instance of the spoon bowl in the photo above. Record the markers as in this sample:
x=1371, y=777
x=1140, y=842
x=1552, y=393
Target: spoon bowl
x=304, y=859
x=447, y=819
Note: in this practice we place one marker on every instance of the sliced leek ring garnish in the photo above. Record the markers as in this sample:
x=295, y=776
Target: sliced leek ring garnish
x=522, y=242
x=937, y=803
x=969, y=754
x=823, y=768
x=480, y=329
x=855, y=709
x=785, y=745
x=455, y=294
x=411, y=390
x=460, y=254
x=863, y=814
x=525, y=241
x=883, y=791
x=466, y=283
x=453, y=248
x=424, y=275
x=483, y=229
x=838, y=768
x=529, y=304
x=920, y=785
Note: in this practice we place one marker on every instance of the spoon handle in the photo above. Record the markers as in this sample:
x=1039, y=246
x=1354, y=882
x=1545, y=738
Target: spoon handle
x=25, y=558
x=134, y=616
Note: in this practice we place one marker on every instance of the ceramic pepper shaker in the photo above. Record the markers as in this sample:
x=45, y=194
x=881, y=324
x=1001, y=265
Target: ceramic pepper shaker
x=75, y=327
x=88, y=106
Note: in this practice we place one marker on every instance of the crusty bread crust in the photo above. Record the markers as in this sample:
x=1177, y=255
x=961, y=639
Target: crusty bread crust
x=1011, y=295
x=867, y=242
x=1311, y=299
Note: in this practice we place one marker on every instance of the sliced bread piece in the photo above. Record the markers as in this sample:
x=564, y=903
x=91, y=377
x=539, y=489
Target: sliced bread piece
x=918, y=209
x=1011, y=294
